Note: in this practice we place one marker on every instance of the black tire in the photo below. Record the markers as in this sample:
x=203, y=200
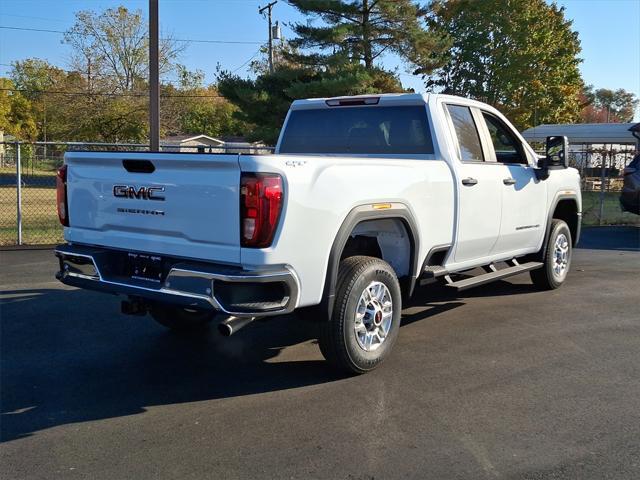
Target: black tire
x=339, y=342
x=179, y=319
x=547, y=278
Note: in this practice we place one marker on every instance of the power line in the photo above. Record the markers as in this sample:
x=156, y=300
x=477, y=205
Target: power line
x=104, y=75
x=80, y=72
x=250, y=58
x=187, y=40
x=93, y=74
x=103, y=94
x=30, y=29
x=232, y=42
x=32, y=17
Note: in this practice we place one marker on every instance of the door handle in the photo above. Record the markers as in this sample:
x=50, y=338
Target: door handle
x=509, y=181
x=470, y=182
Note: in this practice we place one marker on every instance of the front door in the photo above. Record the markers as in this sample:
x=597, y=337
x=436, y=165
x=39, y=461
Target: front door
x=480, y=195
x=523, y=219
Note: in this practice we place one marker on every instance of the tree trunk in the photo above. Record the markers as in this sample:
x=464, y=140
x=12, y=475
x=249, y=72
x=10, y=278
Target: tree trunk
x=366, y=36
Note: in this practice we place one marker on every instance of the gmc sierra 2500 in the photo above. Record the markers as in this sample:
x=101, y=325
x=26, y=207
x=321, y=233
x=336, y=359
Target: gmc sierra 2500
x=364, y=197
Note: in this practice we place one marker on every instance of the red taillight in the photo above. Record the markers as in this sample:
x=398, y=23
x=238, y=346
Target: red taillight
x=260, y=206
x=61, y=196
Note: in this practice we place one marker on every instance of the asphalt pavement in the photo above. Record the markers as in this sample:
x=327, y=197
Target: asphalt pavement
x=499, y=382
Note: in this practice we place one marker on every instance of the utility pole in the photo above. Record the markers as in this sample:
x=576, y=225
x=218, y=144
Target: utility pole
x=269, y=7
x=154, y=78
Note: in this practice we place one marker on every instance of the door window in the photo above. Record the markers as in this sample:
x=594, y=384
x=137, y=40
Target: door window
x=467, y=133
x=506, y=145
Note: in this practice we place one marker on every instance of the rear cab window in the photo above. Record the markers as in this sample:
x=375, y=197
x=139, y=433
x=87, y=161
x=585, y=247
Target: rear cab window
x=392, y=130
x=466, y=133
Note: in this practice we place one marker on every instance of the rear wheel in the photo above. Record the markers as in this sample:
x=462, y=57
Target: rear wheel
x=556, y=258
x=366, y=317
x=180, y=319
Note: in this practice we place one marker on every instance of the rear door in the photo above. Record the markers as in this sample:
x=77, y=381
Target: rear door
x=480, y=195
x=522, y=221
x=178, y=204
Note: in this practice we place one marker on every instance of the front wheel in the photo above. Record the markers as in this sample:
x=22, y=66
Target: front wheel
x=556, y=258
x=366, y=315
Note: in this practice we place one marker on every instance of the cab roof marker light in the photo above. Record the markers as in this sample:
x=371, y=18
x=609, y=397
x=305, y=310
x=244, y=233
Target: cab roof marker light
x=348, y=102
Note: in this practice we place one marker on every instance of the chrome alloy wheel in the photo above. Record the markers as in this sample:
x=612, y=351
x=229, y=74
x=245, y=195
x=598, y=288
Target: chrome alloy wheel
x=560, y=256
x=373, y=317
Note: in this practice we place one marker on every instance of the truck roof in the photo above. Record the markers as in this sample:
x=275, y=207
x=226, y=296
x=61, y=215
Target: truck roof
x=388, y=99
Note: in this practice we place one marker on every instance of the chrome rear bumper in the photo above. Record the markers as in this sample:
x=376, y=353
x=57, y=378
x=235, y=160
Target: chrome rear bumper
x=229, y=290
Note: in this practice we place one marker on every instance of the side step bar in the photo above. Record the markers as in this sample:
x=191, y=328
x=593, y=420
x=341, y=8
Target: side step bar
x=431, y=274
x=434, y=271
x=491, y=276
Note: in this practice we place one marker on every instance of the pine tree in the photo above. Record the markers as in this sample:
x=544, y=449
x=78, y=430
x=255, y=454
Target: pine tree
x=360, y=31
x=341, y=56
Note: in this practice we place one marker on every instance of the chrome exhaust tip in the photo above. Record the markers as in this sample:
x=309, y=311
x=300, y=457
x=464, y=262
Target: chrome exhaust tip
x=231, y=325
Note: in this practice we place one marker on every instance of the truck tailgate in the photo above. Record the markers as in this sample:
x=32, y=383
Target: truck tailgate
x=191, y=211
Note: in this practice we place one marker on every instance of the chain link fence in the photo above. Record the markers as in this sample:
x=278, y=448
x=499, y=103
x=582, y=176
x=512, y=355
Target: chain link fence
x=28, y=213
x=601, y=170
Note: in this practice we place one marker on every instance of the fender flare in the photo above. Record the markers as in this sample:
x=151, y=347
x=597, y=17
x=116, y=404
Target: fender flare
x=560, y=197
x=354, y=217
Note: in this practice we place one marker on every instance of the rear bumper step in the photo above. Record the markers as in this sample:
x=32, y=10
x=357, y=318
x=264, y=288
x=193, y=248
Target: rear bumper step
x=229, y=290
x=493, y=276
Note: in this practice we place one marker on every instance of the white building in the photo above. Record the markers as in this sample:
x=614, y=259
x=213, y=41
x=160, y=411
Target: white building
x=206, y=144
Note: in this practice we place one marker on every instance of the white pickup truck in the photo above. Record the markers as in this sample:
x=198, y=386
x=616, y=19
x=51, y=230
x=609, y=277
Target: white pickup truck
x=364, y=198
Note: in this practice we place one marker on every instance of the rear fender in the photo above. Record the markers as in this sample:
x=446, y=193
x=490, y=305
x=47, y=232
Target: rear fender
x=357, y=215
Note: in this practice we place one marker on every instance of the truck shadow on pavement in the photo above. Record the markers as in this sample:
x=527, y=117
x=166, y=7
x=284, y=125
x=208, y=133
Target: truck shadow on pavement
x=69, y=356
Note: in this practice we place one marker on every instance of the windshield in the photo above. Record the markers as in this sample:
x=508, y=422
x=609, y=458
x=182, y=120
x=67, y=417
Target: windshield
x=358, y=130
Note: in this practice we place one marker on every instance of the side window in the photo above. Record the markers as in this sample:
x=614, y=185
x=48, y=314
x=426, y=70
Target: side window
x=506, y=145
x=467, y=133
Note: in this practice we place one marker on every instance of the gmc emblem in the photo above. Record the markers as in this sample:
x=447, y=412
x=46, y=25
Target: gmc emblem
x=142, y=193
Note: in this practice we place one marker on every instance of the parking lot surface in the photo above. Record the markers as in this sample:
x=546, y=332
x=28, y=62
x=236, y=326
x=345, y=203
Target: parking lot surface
x=500, y=382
